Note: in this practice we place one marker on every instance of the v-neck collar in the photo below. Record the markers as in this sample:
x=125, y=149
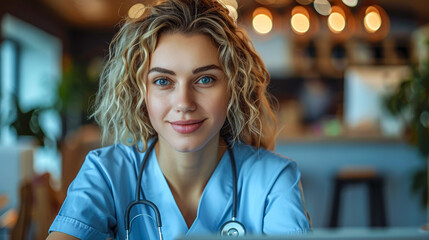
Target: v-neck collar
x=215, y=203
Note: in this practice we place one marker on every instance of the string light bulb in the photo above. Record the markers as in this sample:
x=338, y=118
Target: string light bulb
x=337, y=20
x=136, y=10
x=300, y=20
x=351, y=3
x=372, y=20
x=262, y=20
x=323, y=7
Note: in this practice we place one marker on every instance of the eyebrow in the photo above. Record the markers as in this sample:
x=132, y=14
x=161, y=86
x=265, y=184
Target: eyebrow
x=205, y=68
x=161, y=70
x=195, y=71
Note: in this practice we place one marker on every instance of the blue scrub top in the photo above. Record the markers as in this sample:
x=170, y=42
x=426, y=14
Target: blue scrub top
x=269, y=196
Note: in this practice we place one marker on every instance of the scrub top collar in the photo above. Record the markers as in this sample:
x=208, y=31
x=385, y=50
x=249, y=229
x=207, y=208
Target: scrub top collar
x=215, y=204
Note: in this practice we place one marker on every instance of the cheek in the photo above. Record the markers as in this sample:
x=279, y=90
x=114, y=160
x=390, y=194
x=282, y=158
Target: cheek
x=155, y=107
x=220, y=107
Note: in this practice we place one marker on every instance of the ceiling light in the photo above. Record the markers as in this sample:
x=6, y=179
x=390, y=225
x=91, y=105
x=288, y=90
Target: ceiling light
x=232, y=12
x=336, y=22
x=262, y=20
x=350, y=3
x=136, y=10
x=232, y=3
x=262, y=10
x=372, y=21
x=300, y=20
x=300, y=23
x=323, y=7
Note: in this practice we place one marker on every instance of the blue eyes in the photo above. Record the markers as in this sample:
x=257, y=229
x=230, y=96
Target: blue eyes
x=205, y=81
x=162, y=82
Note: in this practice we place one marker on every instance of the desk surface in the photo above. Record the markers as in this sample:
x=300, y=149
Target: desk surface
x=406, y=233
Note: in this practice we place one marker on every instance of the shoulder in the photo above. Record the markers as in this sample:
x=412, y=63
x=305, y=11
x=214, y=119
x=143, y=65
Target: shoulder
x=114, y=154
x=113, y=151
x=110, y=161
x=263, y=168
x=250, y=158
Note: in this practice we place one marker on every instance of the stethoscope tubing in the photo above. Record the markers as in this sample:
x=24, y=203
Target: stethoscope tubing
x=144, y=201
x=138, y=200
x=234, y=185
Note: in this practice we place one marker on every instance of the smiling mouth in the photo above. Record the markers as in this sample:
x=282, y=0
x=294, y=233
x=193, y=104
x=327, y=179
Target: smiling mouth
x=186, y=127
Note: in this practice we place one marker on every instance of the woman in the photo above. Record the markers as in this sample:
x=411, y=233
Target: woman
x=183, y=97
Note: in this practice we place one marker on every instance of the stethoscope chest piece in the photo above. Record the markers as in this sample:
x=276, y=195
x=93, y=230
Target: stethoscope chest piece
x=232, y=229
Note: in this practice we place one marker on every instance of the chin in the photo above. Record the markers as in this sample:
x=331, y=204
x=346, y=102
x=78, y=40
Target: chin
x=190, y=143
x=187, y=147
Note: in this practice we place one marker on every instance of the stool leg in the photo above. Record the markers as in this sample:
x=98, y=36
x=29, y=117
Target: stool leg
x=335, y=205
x=381, y=204
x=376, y=197
x=372, y=192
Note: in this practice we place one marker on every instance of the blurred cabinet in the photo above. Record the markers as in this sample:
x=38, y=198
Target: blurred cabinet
x=328, y=57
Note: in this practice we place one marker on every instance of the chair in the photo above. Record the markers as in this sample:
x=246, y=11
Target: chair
x=38, y=206
x=21, y=230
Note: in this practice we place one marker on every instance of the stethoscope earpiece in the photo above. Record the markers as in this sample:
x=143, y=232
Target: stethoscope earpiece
x=233, y=229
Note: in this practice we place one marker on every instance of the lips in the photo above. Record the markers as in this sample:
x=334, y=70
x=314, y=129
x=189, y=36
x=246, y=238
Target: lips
x=186, y=126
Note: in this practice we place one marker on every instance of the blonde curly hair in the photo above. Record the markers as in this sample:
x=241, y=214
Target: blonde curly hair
x=120, y=107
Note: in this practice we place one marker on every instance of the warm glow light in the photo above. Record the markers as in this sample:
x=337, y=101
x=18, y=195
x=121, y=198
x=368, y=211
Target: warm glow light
x=232, y=12
x=372, y=21
x=300, y=9
x=300, y=23
x=136, y=10
x=323, y=7
x=376, y=23
x=350, y=3
x=262, y=10
x=262, y=23
x=336, y=22
x=232, y=3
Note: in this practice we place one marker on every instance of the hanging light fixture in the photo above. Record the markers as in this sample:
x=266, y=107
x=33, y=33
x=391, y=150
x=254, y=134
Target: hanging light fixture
x=323, y=7
x=262, y=21
x=300, y=20
x=136, y=10
x=336, y=20
x=372, y=20
x=232, y=3
x=351, y=3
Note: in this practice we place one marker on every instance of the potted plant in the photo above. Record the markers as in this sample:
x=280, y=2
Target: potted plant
x=26, y=123
x=411, y=102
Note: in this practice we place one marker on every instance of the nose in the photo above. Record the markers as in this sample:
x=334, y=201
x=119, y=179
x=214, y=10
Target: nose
x=184, y=100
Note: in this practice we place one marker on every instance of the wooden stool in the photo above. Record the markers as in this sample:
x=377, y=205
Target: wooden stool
x=375, y=185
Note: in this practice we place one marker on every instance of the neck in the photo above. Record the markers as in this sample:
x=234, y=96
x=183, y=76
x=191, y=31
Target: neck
x=187, y=173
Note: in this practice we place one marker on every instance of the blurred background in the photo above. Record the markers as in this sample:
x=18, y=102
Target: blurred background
x=351, y=78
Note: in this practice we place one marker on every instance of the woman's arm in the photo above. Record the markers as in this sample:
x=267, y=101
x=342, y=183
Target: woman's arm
x=60, y=236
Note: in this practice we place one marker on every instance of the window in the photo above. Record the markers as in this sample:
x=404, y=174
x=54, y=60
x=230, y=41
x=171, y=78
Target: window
x=30, y=68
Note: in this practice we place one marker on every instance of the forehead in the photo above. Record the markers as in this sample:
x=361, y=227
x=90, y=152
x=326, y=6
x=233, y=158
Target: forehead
x=175, y=50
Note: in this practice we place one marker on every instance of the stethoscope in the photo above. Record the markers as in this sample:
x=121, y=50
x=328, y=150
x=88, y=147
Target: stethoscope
x=231, y=228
